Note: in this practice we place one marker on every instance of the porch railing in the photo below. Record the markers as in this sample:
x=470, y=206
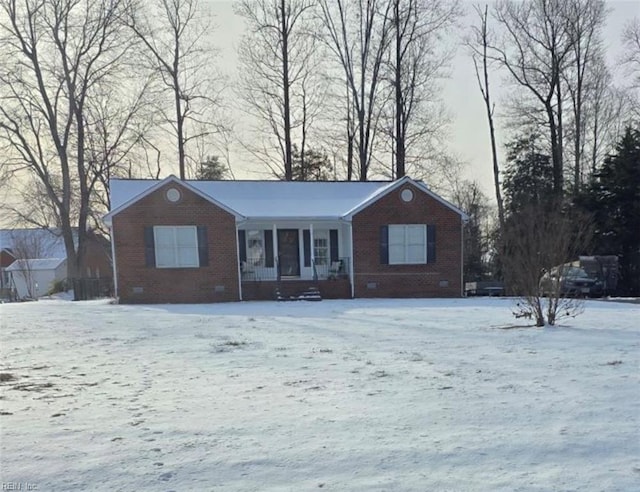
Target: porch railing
x=332, y=269
x=255, y=269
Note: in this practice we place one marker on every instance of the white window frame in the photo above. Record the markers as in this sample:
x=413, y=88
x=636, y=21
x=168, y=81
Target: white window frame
x=399, y=237
x=176, y=263
x=322, y=235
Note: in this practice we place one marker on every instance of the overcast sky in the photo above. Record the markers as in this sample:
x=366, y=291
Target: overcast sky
x=469, y=137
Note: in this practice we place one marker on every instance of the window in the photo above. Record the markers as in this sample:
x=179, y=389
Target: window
x=176, y=246
x=407, y=244
x=321, y=247
x=255, y=248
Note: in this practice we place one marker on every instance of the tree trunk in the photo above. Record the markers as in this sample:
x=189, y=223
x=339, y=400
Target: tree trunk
x=559, y=171
x=555, y=152
x=399, y=130
x=350, y=136
x=486, y=96
x=303, y=140
x=288, y=168
x=577, y=146
x=177, y=94
x=179, y=125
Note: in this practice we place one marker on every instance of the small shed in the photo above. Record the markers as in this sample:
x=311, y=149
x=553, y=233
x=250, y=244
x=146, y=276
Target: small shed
x=34, y=278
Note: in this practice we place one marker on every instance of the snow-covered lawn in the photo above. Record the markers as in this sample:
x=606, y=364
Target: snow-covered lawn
x=337, y=395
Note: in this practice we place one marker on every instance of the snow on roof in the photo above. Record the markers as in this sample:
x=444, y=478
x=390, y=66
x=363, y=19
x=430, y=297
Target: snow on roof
x=269, y=199
x=35, y=264
x=38, y=243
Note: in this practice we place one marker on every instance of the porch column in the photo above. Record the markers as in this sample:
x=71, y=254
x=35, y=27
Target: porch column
x=352, y=259
x=114, y=265
x=312, y=253
x=238, y=262
x=276, y=262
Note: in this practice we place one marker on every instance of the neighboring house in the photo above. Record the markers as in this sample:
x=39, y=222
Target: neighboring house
x=207, y=241
x=6, y=258
x=42, y=243
x=34, y=278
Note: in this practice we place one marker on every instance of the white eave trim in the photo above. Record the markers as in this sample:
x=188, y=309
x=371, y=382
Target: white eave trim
x=169, y=179
x=295, y=218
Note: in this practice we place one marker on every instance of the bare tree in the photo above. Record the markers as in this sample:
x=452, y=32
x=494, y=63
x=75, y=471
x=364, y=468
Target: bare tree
x=631, y=40
x=418, y=60
x=479, y=46
x=358, y=35
x=119, y=121
x=173, y=33
x=534, y=241
x=281, y=80
x=605, y=112
x=585, y=19
x=337, y=124
x=55, y=57
x=631, y=60
x=536, y=45
x=468, y=196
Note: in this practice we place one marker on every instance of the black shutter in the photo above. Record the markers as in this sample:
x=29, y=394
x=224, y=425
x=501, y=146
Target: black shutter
x=149, y=247
x=333, y=244
x=203, y=246
x=242, y=245
x=268, y=248
x=384, y=245
x=306, y=240
x=431, y=244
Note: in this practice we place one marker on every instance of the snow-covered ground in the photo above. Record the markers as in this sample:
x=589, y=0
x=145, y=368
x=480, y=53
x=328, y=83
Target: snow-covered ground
x=355, y=395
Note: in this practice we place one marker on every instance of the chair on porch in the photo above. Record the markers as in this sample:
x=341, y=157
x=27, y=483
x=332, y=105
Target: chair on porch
x=247, y=269
x=335, y=269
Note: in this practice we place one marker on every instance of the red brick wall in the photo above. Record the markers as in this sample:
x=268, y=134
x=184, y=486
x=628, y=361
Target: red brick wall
x=216, y=282
x=97, y=258
x=6, y=259
x=439, y=279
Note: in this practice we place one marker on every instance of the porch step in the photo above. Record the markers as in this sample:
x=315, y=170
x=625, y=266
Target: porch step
x=309, y=294
x=272, y=289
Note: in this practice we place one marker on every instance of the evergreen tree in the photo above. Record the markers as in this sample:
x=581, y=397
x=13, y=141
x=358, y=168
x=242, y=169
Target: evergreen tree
x=313, y=165
x=614, y=200
x=211, y=169
x=529, y=175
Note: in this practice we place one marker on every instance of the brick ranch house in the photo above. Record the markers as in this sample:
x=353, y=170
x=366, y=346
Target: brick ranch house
x=179, y=241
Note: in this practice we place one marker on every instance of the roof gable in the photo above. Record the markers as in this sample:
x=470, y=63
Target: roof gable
x=399, y=183
x=33, y=265
x=127, y=195
x=38, y=242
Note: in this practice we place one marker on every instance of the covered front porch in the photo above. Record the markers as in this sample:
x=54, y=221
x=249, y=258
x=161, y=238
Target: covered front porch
x=287, y=255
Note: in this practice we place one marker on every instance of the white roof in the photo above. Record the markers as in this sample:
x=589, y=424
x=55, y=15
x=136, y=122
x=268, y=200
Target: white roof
x=40, y=243
x=271, y=199
x=35, y=264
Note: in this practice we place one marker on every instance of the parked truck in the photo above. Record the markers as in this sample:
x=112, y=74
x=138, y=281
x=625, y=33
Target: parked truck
x=603, y=268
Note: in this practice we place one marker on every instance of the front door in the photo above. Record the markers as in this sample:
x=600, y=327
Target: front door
x=289, y=252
